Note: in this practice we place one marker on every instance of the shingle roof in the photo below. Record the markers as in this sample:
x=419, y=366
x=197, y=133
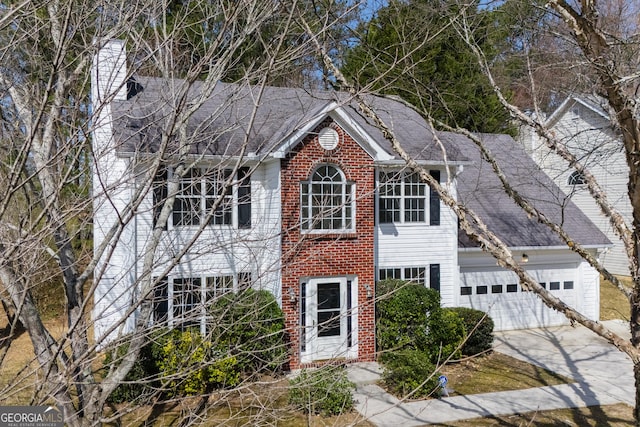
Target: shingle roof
x=220, y=125
x=227, y=116
x=481, y=190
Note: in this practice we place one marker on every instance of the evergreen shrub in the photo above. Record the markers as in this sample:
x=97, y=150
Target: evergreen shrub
x=479, y=340
x=409, y=371
x=402, y=311
x=250, y=326
x=446, y=333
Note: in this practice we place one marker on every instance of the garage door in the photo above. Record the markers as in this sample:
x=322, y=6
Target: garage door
x=499, y=293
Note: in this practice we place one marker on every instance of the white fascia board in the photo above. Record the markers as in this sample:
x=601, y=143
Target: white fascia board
x=559, y=111
x=294, y=138
x=247, y=158
x=571, y=99
x=537, y=248
x=356, y=131
x=400, y=162
x=596, y=109
x=342, y=118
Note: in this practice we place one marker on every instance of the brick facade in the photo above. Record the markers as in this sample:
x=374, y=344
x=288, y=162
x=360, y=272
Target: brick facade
x=330, y=255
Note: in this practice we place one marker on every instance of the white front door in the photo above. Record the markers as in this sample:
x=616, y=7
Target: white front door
x=326, y=321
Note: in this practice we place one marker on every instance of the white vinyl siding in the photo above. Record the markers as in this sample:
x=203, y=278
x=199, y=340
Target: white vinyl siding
x=227, y=250
x=590, y=137
x=410, y=245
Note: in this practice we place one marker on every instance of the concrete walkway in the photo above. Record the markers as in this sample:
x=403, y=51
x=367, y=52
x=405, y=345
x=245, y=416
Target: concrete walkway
x=603, y=375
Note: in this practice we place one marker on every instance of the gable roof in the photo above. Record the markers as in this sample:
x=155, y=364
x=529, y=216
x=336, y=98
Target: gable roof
x=594, y=103
x=271, y=121
x=481, y=190
x=229, y=116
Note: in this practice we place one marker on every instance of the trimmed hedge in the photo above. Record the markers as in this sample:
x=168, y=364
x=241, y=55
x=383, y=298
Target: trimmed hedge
x=446, y=333
x=409, y=371
x=402, y=311
x=479, y=340
x=325, y=391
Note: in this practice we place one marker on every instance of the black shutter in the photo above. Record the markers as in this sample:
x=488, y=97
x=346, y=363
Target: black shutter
x=159, y=194
x=244, y=198
x=161, y=301
x=434, y=276
x=349, y=321
x=303, y=317
x=434, y=201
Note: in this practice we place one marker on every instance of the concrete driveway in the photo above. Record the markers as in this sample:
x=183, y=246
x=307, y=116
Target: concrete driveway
x=603, y=375
x=599, y=369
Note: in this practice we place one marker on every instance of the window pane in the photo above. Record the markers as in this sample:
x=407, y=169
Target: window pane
x=187, y=301
x=402, y=197
x=326, y=201
x=329, y=323
x=481, y=290
x=245, y=280
x=415, y=275
x=218, y=286
x=512, y=288
x=328, y=296
x=496, y=289
x=568, y=285
x=465, y=290
x=161, y=301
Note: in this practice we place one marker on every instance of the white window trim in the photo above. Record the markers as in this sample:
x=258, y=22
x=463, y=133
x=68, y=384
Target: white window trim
x=402, y=197
x=203, y=203
x=171, y=321
x=309, y=206
x=425, y=278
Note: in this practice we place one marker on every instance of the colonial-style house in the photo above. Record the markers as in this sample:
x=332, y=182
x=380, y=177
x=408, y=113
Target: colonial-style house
x=298, y=193
x=583, y=124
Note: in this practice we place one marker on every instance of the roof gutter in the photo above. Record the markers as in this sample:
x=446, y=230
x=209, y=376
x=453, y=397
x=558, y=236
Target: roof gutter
x=539, y=248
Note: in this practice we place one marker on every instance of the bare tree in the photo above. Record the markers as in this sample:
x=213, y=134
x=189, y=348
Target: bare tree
x=600, y=37
x=50, y=150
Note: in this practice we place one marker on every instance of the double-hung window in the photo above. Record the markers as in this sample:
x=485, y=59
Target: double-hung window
x=403, y=198
x=207, y=196
x=327, y=201
x=184, y=302
x=199, y=191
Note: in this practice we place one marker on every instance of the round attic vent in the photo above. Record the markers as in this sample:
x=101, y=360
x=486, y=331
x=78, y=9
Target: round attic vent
x=328, y=138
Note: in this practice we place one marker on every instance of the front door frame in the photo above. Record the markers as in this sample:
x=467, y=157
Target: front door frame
x=345, y=345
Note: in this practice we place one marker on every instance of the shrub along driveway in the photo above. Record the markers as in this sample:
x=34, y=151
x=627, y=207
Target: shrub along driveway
x=603, y=376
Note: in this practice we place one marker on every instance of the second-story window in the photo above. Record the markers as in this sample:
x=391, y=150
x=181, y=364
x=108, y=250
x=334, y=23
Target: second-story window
x=327, y=201
x=403, y=198
x=198, y=192
x=209, y=197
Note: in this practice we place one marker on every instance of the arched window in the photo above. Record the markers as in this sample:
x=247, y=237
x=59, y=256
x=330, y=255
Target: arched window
x=576, y=178
x=327, y=201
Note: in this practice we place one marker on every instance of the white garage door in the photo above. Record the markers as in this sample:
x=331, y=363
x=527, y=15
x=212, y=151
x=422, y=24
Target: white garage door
x=499, y=293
